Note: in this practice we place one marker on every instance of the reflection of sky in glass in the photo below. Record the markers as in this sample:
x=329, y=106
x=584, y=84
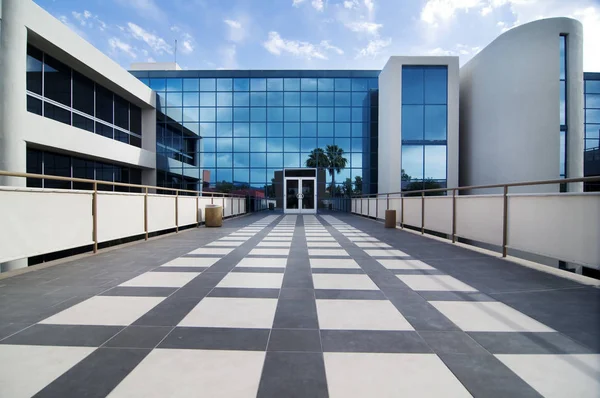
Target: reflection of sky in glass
x=412, y=160
x=592, y=114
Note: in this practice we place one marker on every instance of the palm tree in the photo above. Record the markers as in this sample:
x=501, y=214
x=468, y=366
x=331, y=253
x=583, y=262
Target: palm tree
x=337, y=162
x=317, y=159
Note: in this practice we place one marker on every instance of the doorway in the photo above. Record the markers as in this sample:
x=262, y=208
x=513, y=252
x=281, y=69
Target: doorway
x=300, y=191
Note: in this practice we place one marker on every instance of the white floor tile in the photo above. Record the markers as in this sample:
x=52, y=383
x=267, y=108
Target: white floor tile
x=320, y=239
x=333, y=263
x=439, y=283
x=390, y=375
x=161, y=279
x=558, y=375
x=386, y=253
x=28, y=369
x=343, y=281
x=404, y=264
x=230, y=312
x=368, y=245
x=360, y=315
x=265, y=262
x=274, y=244
x=269, y=252
x=362, y=239
x=327, y=252
x=277, y=239
x=252, y=280
x=317, y=234
x=273, y=234
x=192, y=262
x=215, y=251
x=230, y=243
x=235, y=238
x=105, y=310
x=194, y=373
x=249, y=234
x=322, y=244
x=488, y=317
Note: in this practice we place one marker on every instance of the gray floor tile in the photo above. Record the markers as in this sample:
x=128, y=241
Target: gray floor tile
x=451, y=343
x=140, y=291
x=349, y=294
x=217, y=339
x=64, y=335
x=296, y=314
x=244, y=292
x=306, y=340
x=455, y=296
x=169, y=312
x=139, y=337
x=372, y=341
x=528, y=343
x=260, y=270
x=293, y=374
x=292, y=293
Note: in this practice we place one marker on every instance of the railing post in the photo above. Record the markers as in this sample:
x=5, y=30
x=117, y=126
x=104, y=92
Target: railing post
x=146, y=214
x=376, y=206
x=197, y=209
x=223, y=207
x=387, y=205
x=95, y=217
x=401, y=210
x=454, y=216
x=177, y=211
x=422, y=213
x=505, y=222
x=368, y=207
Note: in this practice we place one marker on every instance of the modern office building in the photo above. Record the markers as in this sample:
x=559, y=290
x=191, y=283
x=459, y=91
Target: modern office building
x=591, y=157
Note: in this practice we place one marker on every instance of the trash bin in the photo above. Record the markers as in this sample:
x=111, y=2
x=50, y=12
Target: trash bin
x=271, y=206
x=213, y=216
x=390, y=218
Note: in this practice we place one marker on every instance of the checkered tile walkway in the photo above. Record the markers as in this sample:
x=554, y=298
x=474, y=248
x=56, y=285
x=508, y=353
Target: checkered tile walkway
x=294, y=306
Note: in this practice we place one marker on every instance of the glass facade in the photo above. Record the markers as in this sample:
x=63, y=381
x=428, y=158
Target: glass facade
x=591, y=166
x=58, y=92
x=563, y=106
x=48, y=163
x=254, y=123
x=424, y=127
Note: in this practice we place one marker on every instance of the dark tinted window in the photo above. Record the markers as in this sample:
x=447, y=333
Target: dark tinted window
x=83, y=169
x=34, y=70
x=83, y=93
x=104, y=104
x=135, y=141
x=57, y=165
x=104, y=172
x=57, y=81
x=104, y=130
x=121, y=112
x=34, y=105
x=82, y=122
x=135, y=115
x=56, y=113
x=34, y=166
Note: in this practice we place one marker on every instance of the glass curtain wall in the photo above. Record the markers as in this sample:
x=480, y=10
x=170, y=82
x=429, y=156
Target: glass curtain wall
x=592, y=129
x=254, y=123
x=563, y=106
x=424, y=127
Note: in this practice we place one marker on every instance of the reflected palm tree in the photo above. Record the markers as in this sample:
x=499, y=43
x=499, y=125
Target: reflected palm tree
x=317, y=159
x=337, y=162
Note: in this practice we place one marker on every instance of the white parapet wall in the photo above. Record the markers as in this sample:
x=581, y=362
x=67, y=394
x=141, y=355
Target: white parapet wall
x=563, y=226
x=39, y=221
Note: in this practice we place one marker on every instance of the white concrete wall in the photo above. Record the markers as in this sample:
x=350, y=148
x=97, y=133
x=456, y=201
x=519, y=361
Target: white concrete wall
x=390, y=120
x=510, y=107
x=120, y=215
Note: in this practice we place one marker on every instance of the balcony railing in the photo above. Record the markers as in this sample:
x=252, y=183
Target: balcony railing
x=561, y=226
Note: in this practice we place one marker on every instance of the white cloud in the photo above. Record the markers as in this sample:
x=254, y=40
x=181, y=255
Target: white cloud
x=487, y=10
x=87, y=14
x=65, y=20
x=233, y=24
x=318, y=5
x=228, y=55
x=146, y=8
x=370, y=4
x=350, y=4
x=116, y=44
x=436, y=11
x=296, y=3
x=374, y=48
x=364, y=27
x=156, y=43
x=187, y=44
x=237, y=33
x=278, y=45
x=325, y=44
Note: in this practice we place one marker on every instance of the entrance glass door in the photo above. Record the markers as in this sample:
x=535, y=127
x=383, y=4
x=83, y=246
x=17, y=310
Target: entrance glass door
x=300, y=195
x=292, y=197
x=308, y=194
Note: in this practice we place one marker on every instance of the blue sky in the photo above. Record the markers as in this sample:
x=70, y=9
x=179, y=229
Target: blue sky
x=307, y=34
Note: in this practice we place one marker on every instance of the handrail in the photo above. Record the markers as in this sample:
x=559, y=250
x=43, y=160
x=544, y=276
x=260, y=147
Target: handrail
x=512, y=184
x=118, y=184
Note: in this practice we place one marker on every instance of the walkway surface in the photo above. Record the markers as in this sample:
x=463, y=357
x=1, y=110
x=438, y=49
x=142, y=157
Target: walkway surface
x=297, y=306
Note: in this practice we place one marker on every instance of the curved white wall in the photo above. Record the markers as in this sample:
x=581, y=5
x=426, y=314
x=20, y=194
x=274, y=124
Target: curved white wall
x=510, y=107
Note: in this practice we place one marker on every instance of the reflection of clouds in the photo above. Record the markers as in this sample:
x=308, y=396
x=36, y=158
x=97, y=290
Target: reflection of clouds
x=412, y=160
x=435, y=162
x=241, y=160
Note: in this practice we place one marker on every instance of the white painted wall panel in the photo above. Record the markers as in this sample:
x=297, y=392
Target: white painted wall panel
x=119, y=215
x=412, y=212
x=186, y=210
x=566, y=227
x=396, y=204
x=381, y=207
x=202, y=202
x=479, y=217
x=372, y=207
x=438, y=214
x=161, y=212
x=36, y=222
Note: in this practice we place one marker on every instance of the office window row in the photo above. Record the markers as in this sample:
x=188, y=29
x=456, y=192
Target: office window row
x=592, y=114
x=48, y=163
x=56, y=91
x=305, y=129
x=258, y=177
x=563, y=105
x=261, y=84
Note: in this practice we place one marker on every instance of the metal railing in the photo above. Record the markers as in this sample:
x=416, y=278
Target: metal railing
x=216, y=197
x=423, y=194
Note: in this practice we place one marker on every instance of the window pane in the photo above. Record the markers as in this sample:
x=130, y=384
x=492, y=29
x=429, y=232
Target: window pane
x=308, y=99
x=208, y=84
x=435, y=162
x=308, y=144
x=343, y=129
x=563, y=56
x=342, y=114
x=224, y=85
x=56, y=113
x=224, y=114
x=258, y=160
x=258, y=114
x=121, y=112
x=175, y=114
x=412, y=85
x=224, y=129
x=274, y=84
x=275, y=160
x=360, y=114
x=275, y=114
x=258, y=145
x=308, y=114
x=83, y=123
x=308, y=84
x=241, y=175
x=592, y=131
x=291, y=114
x=174, y=84
x=342, y=99
x=342, y=85
x=436, y=85
x=191, y=84
x=592, y=101
x=360, y=85
x=412, y=122
x=241, y=114
x=592, y=116
x=224, y=99
x=104, y=104
x=83, y=169
x=291, y=144
x=325, y=114
x=291, y=129
x=563, y=103
x=135, y=119
x=275, y=99
x=325, y=99
x=325, y=129
x=258, y=129
x=241, y=129
x=592, y=86
x=435, y=122
x=412, y=161
x=258, y=84
x=241, y=85
x=83, y=93
x=191, y=99
x=224, y=145
x=360, y=99
x=34, y=70
x=258, y=99
x=57, y=165
x=275, y=129
x=241, y=144
x=291, y=99
x=241, y=99
x=207, y=129
x=291, y=84
x=325, y=84
x=158, y=84
x=208, y=99
x=34, y=105
x=207, y=114
x=308, y=129
x=343, y=143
